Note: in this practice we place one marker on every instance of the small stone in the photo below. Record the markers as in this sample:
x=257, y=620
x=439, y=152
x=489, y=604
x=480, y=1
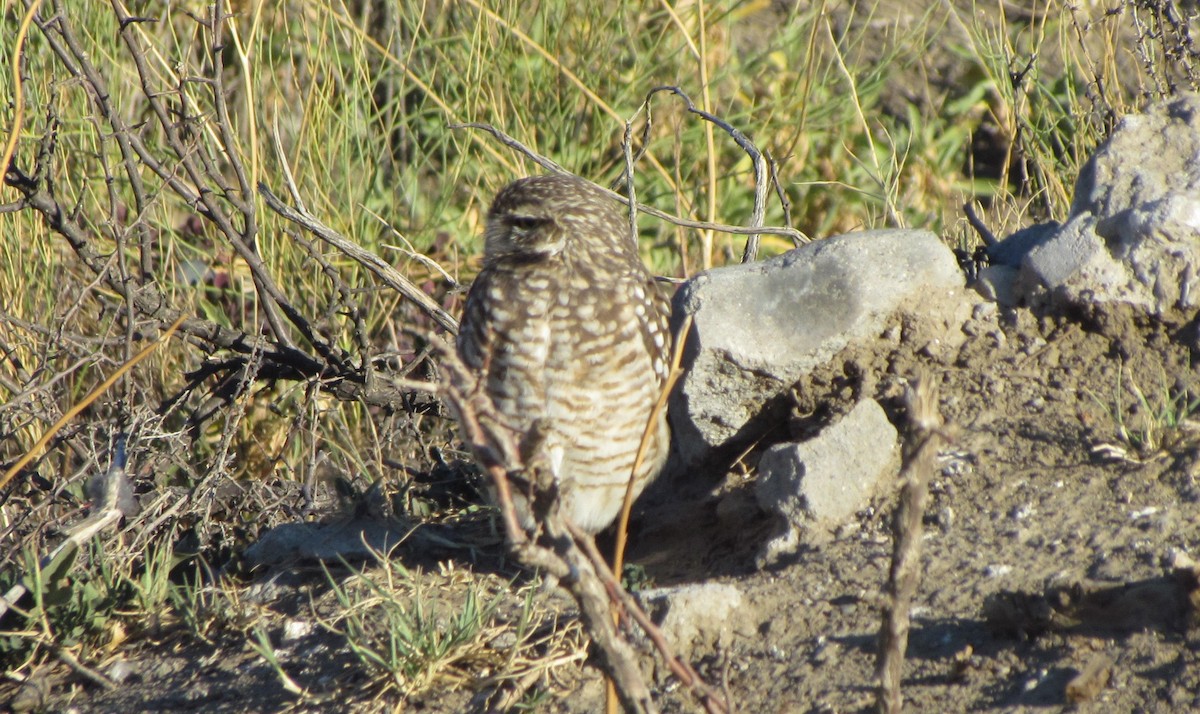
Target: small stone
x=997, y=571
x=823, y=481
x=984, y=311
x=945, y=519
x=294, y=630
x=120, y=671
x=506, y=640
x=698, y=618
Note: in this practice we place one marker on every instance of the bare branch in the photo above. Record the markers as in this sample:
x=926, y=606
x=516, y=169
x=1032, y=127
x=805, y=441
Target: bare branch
x=552, y=548
x=985, y=233
x=681, y=669
x=192, y=173
x=367, y=259
x=797, y=237
x=761, y=185
x=924, y=435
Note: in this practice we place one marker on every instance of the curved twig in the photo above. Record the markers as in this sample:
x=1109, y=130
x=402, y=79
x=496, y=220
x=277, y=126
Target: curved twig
x=797, y=237
x=389, y=275
x=761, y=184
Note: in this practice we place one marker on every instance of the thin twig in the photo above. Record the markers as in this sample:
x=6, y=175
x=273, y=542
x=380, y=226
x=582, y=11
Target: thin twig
x=709, y=697
x=192, y=175
x=761, y=183
x=64, y=655
x=630, y=184
x=272, y=299
x=785, y=204
x=551, y=546
x=797, y=237
x=363, y=257
x=647, y=435
x=85, y=402
x=985, y=234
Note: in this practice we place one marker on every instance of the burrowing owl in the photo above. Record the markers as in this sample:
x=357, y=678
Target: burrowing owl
x=565, y=326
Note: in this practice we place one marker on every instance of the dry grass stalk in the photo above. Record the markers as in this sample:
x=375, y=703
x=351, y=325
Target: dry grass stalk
x=924, y=434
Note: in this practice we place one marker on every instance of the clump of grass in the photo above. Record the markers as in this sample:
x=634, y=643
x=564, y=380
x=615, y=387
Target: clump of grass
x=413, y=632
x=86, y=610
x=1154, y=422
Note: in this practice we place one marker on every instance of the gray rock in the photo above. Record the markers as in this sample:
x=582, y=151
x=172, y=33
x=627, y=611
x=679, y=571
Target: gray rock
x=815, y=484
x=120, y=671
x=1000, y=281
x=698, y=618
x=998, y=284
x=1013, y=249
x=358, y=539
x=1076, y=259
x=760, y=327
x=1133, y=235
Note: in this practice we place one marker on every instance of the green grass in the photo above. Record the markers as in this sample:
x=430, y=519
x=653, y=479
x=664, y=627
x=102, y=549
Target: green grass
x=88, y=608
x=411, y=641
x=1150, y=422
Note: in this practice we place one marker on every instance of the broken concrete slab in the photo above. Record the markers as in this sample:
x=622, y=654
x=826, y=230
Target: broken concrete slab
x=1133, y=234
x=760, y=327
x=815, y=484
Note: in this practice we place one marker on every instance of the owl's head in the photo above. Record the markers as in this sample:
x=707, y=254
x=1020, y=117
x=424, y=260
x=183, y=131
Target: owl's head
x=535, y=218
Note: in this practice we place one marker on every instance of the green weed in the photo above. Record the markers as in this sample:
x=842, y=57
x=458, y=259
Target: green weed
x=1154, y=422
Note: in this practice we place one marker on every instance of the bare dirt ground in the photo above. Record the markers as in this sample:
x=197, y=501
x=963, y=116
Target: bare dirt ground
x=1027, y=520
x=1044, y=551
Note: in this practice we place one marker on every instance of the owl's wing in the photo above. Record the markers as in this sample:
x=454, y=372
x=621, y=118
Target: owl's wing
x=656, y=328
x=505, y=344
x=475, y=336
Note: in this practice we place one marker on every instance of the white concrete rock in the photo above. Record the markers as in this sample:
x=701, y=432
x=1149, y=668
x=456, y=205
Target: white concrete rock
x=760, y=327
x=1133, y=234
x=816, y=484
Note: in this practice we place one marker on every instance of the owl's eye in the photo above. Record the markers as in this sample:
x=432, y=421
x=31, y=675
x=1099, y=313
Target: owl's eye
x=526, y=223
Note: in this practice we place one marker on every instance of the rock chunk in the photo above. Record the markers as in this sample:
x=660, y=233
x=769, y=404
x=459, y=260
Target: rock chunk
x=760, y=327
x=697, y=618
x=1133, y=234
x=352, y=540
x=815, y=484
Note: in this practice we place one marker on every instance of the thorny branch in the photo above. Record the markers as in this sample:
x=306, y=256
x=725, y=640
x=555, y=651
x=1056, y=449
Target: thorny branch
x=190, y=167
